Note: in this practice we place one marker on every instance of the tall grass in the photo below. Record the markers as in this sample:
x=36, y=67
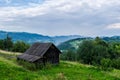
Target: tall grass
x=10, y=70
x=34, y=66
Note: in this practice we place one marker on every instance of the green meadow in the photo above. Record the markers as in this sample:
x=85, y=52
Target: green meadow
x=10, y=70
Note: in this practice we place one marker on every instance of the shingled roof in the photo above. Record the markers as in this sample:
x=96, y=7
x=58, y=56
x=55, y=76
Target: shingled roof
x=36, y=51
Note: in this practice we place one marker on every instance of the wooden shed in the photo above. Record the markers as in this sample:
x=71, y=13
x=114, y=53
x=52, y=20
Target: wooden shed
x=41, y=53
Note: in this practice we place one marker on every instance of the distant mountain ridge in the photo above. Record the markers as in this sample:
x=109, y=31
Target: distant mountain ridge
x=58, y=40
x=73, y=44
x=32, y=37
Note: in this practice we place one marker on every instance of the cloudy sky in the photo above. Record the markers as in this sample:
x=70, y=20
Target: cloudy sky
x=61, y=17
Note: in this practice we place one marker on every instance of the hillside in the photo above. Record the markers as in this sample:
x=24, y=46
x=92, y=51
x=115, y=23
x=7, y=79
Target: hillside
x=74, y=43
x=32, y=37
x=112, y=39
x=58, y=40
x=10, y=70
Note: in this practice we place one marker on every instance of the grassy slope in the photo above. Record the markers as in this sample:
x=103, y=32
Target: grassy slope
x=9, y=70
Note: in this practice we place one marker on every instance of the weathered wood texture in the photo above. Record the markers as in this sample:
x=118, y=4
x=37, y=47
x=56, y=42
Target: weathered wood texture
x=41, y=53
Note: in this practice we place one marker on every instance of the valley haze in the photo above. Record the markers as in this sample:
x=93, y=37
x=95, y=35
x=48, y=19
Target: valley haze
x=34, y=37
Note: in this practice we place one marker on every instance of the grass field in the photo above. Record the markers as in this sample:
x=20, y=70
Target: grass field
x=10, y=70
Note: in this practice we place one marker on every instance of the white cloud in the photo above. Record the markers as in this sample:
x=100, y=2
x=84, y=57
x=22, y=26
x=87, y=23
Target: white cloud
x=82, y=16
x=53, y=6
x=114, y=26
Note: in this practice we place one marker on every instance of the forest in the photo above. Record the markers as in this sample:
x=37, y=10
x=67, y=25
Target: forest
x=92, y=58
x=97, y=52
x=8, y=45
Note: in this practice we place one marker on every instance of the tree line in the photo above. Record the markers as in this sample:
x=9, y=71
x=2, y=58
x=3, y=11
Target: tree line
x=96, y=52
x=8, y=45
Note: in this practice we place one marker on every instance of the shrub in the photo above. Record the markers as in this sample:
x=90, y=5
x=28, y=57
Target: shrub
x=68, y=55
x=20, y=46
x=26, y=65
x=106, y=64
x=30, y=66
x=116, y=63
x=34, y=66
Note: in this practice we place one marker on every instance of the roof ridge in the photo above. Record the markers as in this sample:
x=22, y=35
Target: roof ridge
x=36, y=51
x=46, y=49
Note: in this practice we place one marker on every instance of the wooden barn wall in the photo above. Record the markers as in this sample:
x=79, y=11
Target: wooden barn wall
x=52, y=55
